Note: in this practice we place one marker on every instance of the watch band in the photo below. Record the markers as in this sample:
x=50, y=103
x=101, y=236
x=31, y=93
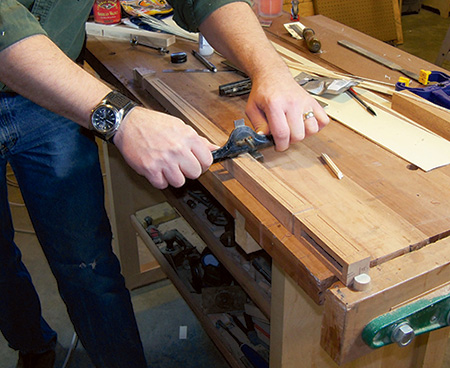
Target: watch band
x=118, y=100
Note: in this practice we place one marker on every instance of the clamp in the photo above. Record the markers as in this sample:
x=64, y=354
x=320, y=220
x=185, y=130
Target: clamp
x=438, y=93
x=243, y=139
x=402, y=325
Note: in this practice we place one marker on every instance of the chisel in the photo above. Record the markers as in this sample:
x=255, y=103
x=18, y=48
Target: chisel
x=378, y=59
x=312, y=43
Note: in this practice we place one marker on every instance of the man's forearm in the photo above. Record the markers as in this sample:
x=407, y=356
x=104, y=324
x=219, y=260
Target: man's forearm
x=37, y=69
x=234, y=31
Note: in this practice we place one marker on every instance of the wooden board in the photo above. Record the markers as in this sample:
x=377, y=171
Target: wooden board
x=389, y=130
x=377, y=233
x=427, y=114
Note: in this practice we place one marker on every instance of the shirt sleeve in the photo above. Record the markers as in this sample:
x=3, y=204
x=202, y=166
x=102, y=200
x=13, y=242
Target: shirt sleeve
x=189, y=14
x=16, y=23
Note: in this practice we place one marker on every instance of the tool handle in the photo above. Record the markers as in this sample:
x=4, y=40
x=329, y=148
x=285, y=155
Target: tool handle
x=312, y=42
x=253, y=357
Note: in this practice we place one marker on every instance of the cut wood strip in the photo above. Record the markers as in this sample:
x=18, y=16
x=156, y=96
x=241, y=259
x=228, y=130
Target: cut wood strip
x=415, y=145
x=429, y=115
x=124, y=33
x=349, y=259
x=276, y=196
x=385, y=88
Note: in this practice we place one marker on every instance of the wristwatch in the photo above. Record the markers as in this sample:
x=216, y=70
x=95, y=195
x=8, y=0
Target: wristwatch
x=109, y=113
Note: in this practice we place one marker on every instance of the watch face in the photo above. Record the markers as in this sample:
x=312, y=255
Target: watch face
x=105, y=118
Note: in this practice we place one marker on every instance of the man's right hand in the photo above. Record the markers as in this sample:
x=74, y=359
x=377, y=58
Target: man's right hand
x=162, y=148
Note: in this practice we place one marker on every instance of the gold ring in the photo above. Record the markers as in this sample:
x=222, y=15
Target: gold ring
x=308, y=115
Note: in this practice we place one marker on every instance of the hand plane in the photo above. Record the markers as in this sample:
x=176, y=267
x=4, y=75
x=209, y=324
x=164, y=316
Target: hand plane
x=243, y=139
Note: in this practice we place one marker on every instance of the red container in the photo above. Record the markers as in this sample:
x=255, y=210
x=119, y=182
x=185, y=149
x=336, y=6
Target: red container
x=107, y=11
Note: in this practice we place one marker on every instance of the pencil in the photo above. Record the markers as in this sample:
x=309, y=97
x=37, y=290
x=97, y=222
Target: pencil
x=353, y=94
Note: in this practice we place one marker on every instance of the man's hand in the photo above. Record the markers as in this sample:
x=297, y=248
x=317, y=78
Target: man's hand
x=162, y=148
x=277, y=104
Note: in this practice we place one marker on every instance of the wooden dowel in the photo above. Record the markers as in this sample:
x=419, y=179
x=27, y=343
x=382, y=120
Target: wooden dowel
x=332, y=166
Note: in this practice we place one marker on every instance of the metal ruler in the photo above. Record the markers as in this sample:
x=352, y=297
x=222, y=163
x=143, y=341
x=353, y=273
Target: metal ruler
x=379, y=59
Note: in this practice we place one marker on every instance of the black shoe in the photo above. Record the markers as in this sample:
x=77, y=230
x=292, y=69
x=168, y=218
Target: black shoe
x=43, y=360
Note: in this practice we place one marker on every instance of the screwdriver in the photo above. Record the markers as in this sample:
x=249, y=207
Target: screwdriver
x=253, y=357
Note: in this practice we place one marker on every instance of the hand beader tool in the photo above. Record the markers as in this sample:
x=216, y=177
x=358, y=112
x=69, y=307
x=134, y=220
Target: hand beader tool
x=243, y=139
x=204, y=61
x=134, y=42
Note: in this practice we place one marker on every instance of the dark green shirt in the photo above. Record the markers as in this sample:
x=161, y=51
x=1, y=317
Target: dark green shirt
x=63, y=21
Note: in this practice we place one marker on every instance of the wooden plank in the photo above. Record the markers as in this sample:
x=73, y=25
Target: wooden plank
x=272, y=192
x=242, y=237
x=429, y=115
x=437, y=342
x=277, y=195
x=395, y=283
x=126, y=33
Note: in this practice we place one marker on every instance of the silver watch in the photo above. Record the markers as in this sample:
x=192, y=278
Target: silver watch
x=109, y=113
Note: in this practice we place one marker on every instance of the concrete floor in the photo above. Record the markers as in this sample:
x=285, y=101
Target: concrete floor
x=159, y=308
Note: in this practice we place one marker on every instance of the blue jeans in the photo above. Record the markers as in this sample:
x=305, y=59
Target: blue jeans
x=59, y=175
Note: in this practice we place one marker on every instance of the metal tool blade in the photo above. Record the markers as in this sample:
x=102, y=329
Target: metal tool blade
x=186, y=71
x=379, y=59
x=195, y=71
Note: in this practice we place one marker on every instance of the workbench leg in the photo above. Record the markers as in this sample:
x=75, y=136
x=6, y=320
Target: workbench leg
x=436, y=346
x=295, y=325
x=295, y=328
x=127, y=193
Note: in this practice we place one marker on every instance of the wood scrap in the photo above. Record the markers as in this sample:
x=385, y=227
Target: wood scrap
x=299, y=63
x=431, y=116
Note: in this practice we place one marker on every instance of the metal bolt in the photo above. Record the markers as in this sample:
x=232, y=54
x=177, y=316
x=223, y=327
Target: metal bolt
x=402, y=334
x=162, y=50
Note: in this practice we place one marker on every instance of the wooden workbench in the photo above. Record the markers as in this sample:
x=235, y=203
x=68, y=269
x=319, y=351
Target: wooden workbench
x=397, y=217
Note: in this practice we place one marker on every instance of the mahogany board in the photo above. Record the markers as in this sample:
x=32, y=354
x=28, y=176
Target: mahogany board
x=381, y=209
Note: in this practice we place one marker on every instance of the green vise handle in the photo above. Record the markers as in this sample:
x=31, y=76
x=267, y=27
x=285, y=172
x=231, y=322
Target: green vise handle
x=400, y=326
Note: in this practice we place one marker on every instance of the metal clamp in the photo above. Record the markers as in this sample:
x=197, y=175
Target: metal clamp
x=403, y=324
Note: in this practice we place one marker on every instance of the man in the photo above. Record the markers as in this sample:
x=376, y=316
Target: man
x=45, y=100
